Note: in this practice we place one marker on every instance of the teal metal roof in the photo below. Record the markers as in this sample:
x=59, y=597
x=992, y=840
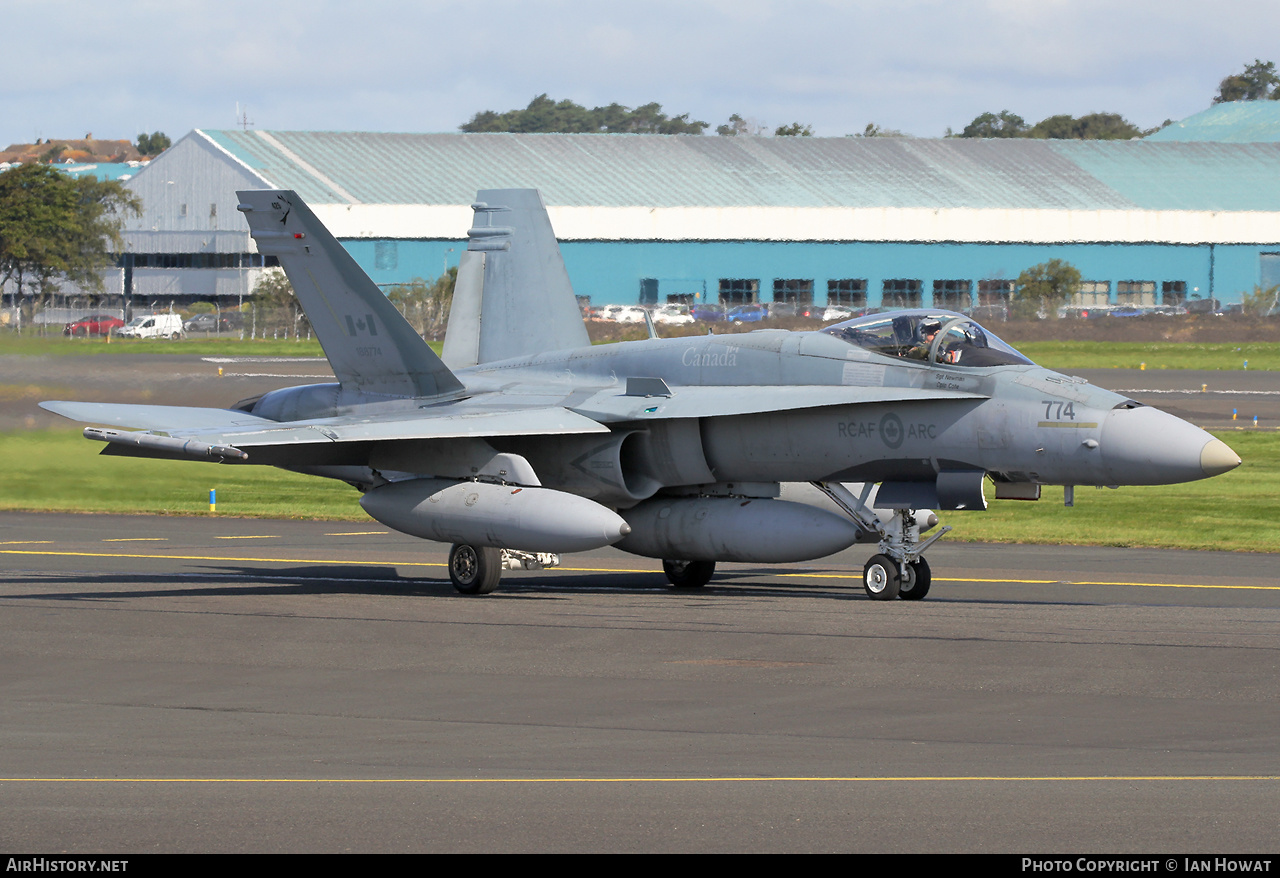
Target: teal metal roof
x=1234, y=122
x=693, y=171
x=101, y=170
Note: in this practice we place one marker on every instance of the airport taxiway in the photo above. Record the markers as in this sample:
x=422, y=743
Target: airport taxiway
x=222, y=684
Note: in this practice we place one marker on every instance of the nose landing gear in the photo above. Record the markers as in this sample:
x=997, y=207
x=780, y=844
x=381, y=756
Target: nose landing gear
x=899, y=570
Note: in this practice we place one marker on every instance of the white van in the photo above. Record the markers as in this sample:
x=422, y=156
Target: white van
x=152, y=326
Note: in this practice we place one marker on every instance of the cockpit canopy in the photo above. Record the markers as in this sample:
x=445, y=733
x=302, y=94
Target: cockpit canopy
x=941, y=337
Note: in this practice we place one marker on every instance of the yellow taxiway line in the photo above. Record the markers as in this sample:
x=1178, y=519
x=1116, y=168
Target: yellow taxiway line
x=394, y=563
x=910, y=778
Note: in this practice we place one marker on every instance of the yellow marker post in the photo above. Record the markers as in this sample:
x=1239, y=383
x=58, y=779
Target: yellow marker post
x=213, y=499
x=219, y=371
x=1142, y=367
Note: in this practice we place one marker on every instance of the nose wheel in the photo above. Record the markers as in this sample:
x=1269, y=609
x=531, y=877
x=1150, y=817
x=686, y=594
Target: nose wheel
x=881, y=579
x=900, y=570
x=916, y=583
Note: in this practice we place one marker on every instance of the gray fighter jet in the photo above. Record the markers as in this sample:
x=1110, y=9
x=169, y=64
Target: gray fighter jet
x=525, y=441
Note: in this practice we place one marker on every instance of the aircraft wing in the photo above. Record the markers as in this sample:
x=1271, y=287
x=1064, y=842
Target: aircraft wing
x=178, y=431
x=616, y=404
x=155, y=417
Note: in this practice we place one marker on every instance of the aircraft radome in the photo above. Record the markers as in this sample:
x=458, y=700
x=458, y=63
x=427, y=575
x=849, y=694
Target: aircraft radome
x=524, y=441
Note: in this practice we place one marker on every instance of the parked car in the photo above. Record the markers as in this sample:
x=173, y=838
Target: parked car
x=707, y=313
x=622, y=313
x=94, y=324
x=672, y=315
x=213, y=322
x=153, y=326
x=791, y=309
x=745, y=314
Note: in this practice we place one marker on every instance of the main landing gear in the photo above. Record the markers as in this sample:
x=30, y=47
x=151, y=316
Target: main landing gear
x=899, y=570
x=478, y=569
x=689, y=574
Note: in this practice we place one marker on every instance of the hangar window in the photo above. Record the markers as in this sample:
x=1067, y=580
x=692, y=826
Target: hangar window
x=850, y=292
x=902, y=293
x=386, y=255
x=956, y=295
x=739, y=291
x=797, y=292
x=1173, y=292
x=1092, y=293
x=1136, y=292
x=994, y=293
x=648, y=291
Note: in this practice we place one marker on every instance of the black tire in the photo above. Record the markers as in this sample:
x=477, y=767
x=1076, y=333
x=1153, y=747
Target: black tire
x=175, y=336
x=475, y=569
x=881, y=579
x=918, y=585
x=689, y=574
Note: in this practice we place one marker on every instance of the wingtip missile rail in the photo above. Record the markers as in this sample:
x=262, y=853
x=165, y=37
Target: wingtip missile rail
x=165, y=444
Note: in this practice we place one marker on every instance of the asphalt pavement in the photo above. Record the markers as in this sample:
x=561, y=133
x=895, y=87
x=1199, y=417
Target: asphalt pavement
x=233, y=685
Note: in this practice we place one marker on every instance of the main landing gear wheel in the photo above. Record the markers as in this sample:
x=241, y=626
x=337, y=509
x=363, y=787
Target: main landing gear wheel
x=689, y=574
x=475, y=569
x=916, y=585
x=881, y=579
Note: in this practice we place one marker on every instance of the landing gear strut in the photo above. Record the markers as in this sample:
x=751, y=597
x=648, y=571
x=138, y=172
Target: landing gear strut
x=899, y=570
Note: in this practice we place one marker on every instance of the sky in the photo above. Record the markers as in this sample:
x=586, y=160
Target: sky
x=917, y=66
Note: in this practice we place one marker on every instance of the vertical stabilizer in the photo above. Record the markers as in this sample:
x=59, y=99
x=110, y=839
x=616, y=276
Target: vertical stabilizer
x=370, y=346
x=513, y=297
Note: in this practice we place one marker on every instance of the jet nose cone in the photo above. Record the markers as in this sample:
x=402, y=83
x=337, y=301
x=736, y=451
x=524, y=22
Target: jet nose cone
x=1217, y=458
x=1145, y=446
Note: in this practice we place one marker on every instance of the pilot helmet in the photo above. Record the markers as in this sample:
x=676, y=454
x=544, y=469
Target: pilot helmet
x=930, y=324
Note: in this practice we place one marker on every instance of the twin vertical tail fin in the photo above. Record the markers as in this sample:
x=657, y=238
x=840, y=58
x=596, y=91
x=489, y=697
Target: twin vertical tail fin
x=370, y=346
x=512, y=297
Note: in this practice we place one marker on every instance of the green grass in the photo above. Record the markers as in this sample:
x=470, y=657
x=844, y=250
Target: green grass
x=1056, y=355
x=61, y=471
x=57, y=345
x=1060, y=355
x=1231, y=512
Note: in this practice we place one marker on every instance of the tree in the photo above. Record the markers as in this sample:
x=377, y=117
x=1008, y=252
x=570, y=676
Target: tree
x=795, y=129
x=544, y=115
x=154, y=143
x=425, y=305
x=1094, y=126
x=739, y=126
x=275, y=307
x=874, y=130
x=1002, y=124
x=54, y=228
x=1043, y=288
x=1262, y=302
x=1258, y=82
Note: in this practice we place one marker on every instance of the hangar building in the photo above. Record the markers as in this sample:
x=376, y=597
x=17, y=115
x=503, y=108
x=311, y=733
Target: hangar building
x=863, y=222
